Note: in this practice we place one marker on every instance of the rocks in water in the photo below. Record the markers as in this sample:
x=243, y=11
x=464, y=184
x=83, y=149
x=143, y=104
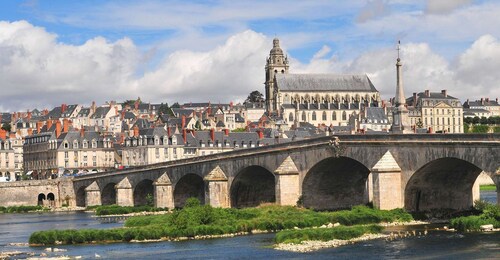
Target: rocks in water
x=488, y=227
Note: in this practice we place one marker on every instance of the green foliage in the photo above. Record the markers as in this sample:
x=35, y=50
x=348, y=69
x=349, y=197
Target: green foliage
x=20, y=209
x=467, y=128
x=480, y=129
x=496, y=129
x=255, y=97
x=239, y=130
x=150, y=200
x=6, y=127
x=489, y=214
x=325, y=234
x=195, y=219
x=192, y=202
x=120, y=210
x=490, y=187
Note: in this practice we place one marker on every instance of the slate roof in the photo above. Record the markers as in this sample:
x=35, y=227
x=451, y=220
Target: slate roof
x=84, y=112
x=324, y=82
x=377, y=113
x=100, y=112
x=478, y=103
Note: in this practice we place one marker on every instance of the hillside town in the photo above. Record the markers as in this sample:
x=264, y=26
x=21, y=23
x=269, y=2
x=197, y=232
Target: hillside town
x=76, y=139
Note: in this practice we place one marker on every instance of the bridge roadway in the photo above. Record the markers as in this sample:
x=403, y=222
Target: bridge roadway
x=417, y=172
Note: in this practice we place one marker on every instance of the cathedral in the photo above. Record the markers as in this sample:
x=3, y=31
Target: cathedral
x=319, y=99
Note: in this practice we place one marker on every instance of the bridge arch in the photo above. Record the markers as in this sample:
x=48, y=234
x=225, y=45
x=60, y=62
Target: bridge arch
x=335, y=183
x=80, y=197
x=444, y=183
x=41, y=198
x=142, y=190
x=190, y=185
x=108, y=194
x=252, y=186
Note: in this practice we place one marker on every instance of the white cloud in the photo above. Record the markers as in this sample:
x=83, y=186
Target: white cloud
x=445, y=6
x=372, y=10
x=37, y=71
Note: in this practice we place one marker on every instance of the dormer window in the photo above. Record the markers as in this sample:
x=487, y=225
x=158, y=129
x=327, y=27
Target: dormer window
x=94, y=143
x=66, y=145
x=75, y=144
x=85, y=144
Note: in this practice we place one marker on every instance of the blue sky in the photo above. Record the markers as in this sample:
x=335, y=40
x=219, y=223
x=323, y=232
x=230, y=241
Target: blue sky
x=166, y=51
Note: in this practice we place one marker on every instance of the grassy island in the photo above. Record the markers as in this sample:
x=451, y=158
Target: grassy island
x=121, y=210
x=488, y=214
x=22, y=209
x=196, y=220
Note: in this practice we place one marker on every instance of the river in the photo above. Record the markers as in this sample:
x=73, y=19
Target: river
x=436, y=245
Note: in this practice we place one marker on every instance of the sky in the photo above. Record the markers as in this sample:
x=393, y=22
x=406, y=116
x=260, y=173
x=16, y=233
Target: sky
x=75, y=52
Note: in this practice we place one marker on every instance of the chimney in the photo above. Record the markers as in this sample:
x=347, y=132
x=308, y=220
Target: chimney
x=58, y=128
x=65, y=125
x=184, y=135
x=63, y=108
x=122, y=138
x=467, y=102
x=231, y=105
x=212, y=135
x=209, y=111
x=169, y=131
x=427, y=93
x=487, y=99
x=444, y=92
x=183, y=124
x=116, y=110
x=496, y=100
x=414, y=99
x=136, y=131
x=29, y=115
x=39, y=125
x=482, y=101
x=82, y=132
x=123, y=114
x=226, y=132
x=30, y=131
x=3, y=134
x=49, y=124
x=260, y=133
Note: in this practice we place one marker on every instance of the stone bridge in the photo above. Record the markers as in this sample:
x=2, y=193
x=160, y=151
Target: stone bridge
x=417, y=172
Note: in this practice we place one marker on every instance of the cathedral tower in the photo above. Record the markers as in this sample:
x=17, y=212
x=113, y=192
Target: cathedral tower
x=400, y=122
x=276, y=63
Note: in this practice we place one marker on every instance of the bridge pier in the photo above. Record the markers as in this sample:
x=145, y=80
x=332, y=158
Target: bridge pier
x=124, y=193
x=216, y=189
x=287, y=183
x=386, y=176
x=164, y=193
x=93, y=195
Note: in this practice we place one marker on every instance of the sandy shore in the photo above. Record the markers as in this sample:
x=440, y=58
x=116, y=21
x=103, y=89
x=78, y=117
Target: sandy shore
x=313, y=245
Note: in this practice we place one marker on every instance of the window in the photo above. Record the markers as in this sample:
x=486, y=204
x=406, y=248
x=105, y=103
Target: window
x=85, y=144
x=334, y=116
x=303, y=116
x=75, y=144
x=344, y=116
x=94, y=143
x=290, y=117
x=66, y=145
x=314, y=116
x=324, y=116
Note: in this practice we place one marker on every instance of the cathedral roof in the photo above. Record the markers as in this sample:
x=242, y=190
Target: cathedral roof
x=324, y=82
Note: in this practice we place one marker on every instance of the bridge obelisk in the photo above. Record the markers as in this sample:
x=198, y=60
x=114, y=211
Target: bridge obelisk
x=400, y=122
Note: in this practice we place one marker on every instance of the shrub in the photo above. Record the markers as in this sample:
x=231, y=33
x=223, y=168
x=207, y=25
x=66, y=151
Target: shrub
x=325, y=234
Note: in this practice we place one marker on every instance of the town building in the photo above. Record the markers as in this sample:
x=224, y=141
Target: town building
x=484, y=107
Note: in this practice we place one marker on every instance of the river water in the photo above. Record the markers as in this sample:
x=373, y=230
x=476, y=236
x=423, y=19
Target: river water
x=16, y=228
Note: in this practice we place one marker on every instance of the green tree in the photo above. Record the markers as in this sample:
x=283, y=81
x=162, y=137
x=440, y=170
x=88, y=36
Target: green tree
x=197, y=125
x=483, y=120
x=255, y=97
x=6, y=127
x=475, y=120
